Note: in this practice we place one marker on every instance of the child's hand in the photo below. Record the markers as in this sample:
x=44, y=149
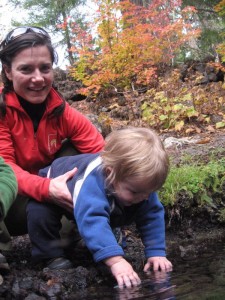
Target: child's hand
x=123, y=272
x=158, y=263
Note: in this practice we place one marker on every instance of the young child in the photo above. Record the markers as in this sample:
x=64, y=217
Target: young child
x=111, y=189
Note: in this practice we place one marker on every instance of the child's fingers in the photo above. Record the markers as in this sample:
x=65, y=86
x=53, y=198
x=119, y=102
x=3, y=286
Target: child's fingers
x=147, y=267
x=128, y=280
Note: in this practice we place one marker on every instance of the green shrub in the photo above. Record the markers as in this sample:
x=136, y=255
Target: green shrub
x=200, y=182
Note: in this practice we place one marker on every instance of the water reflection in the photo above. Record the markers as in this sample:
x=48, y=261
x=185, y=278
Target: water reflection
x=196, y=276
x=201, y=277
x=155, y=285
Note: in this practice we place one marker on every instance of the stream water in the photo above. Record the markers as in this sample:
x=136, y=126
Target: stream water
x=200, y=277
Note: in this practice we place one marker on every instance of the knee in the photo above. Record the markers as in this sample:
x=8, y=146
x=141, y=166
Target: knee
x=36, y=210
x=42, y=213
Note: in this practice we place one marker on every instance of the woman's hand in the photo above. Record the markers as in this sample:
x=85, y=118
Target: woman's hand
x=123, y=272
x=58, y=191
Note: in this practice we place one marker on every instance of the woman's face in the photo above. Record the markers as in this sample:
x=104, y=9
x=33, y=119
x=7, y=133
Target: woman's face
x=31, y=73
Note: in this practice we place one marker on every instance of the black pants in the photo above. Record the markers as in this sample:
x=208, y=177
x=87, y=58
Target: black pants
x=44, y=225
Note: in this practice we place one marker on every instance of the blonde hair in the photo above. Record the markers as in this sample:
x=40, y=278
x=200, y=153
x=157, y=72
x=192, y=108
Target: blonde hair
x=135, y=152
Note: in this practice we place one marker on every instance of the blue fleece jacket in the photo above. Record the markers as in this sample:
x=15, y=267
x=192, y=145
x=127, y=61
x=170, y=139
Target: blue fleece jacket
x=96, y=211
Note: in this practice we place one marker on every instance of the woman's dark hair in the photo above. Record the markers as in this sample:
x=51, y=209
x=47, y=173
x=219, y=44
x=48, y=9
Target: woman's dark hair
x=9, y=50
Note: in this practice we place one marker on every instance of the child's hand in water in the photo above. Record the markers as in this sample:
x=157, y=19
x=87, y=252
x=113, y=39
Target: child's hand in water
x=158, y=263
x=123, y=272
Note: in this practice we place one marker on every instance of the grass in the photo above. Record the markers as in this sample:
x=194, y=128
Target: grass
x=199, y=181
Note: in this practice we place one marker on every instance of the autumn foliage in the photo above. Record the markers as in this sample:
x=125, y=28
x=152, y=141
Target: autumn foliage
x=185, y=107
x=125, y=43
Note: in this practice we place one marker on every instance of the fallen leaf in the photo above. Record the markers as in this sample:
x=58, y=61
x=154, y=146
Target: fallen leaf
x=220, y=125
x=204, y=141
x=198, y=130
x=189, y=130
x=51, y=281
x=210, y=128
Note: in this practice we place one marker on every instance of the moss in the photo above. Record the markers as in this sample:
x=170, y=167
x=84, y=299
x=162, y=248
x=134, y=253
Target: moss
x=199, y=181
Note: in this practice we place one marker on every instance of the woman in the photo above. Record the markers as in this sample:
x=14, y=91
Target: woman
x=34, y=123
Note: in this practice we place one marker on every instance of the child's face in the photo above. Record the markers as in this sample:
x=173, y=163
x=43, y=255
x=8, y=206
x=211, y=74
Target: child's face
x=131, y=191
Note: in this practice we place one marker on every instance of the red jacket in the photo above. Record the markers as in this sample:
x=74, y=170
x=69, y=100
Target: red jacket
x=27, y=151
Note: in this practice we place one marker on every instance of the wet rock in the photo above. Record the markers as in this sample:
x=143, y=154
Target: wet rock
x=34, y=296
x=51, y=290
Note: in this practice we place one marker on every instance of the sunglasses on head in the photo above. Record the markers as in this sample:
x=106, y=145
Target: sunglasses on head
x=15, y=33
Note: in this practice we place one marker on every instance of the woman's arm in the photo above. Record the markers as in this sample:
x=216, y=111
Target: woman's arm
x=82, y=133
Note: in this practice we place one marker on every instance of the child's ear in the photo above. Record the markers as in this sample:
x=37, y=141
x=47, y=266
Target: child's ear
x=108, y=171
